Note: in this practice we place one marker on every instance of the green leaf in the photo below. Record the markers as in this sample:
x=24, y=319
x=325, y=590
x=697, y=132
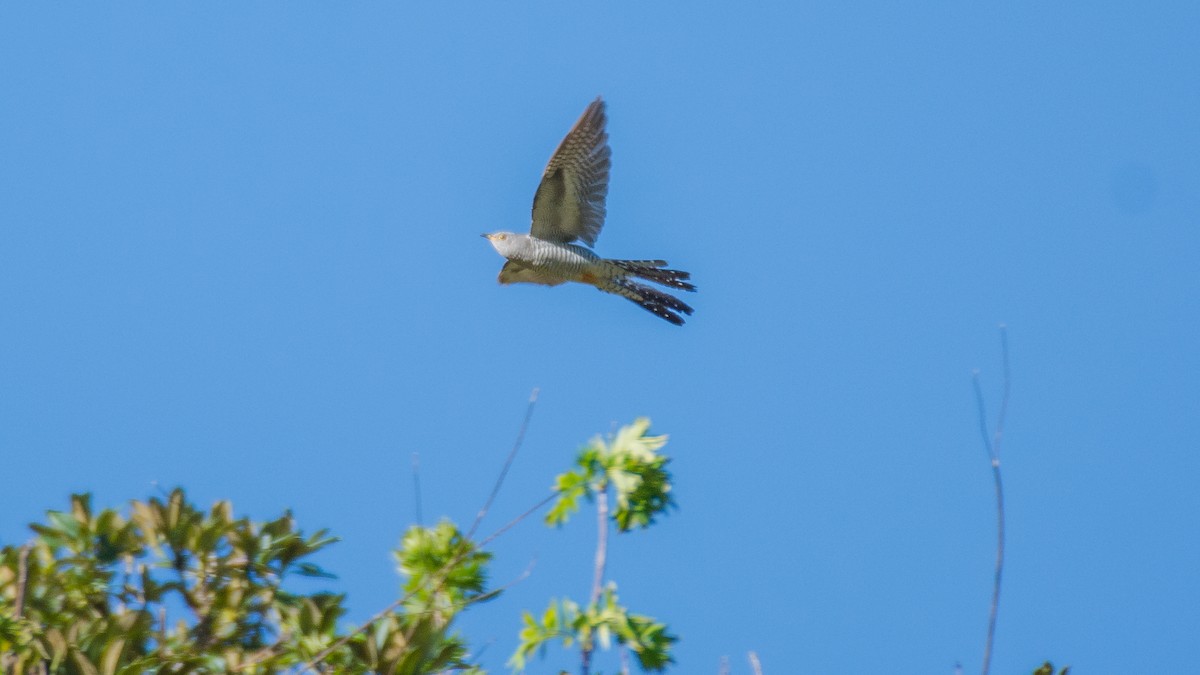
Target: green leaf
x=311, y=570
x=66, y=526
x=550, y=618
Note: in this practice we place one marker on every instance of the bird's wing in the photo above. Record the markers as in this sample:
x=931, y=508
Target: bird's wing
x=516, y=273
x=569, y=203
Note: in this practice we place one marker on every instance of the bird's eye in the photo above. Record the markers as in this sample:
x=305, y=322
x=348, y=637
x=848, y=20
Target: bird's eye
x=502, y=237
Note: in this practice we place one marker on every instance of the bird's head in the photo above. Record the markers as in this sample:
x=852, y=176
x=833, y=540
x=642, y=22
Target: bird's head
x=504, y=242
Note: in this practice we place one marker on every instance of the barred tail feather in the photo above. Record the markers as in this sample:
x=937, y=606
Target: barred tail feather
x=654, y=301
x=654, y=270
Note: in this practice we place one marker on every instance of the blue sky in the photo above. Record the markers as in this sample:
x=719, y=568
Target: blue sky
x=240, y=253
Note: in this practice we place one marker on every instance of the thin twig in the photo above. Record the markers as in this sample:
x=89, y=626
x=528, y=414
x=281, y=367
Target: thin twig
x=416, y=469
x=311, y=665
x=513, y=523
x=723, y=668
x=263, y=654
x=512, y=454
x=992, y=445
x=755, y=664
x=525, y=574
x=456, y=607
x=321, y=656
x=982, y=411
x=487, y=505
x=1004, y=395
x=476, y=656
x=443, y=572
x=340, y=642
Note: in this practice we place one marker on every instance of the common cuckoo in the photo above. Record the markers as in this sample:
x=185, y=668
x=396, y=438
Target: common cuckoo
x=569, y=206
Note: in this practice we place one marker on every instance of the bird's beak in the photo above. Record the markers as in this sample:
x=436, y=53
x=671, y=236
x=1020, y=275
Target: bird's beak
x=486, y=236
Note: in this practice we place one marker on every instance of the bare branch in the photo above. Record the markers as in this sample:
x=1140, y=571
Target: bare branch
x=755, y=664
x=598, y=568
x=515, y=521
x=525, y=574
x=601, y=544
x=313, y=663
x=507, y=464
x=443, y=573
x=982, y=410
x=992, y=445
x=1004, y=396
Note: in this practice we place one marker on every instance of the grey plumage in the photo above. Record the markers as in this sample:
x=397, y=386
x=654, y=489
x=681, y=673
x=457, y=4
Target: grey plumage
x=569, y=202
x=569, y=206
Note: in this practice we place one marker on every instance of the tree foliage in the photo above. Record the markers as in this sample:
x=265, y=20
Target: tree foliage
x=630, y=468
x=171, y=588
x=168, y=587
x=630, y=465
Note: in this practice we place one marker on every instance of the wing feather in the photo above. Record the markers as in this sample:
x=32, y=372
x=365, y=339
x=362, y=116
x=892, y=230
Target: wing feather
x=569, y=202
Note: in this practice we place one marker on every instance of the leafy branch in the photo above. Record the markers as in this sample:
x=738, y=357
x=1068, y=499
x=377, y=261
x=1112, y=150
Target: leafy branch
x=630, y=470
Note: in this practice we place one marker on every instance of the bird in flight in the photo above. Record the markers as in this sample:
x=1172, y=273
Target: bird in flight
x=569, y=206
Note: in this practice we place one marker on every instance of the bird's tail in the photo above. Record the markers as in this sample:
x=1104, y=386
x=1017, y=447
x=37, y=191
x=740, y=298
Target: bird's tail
x=655, y=270
x=653, y=300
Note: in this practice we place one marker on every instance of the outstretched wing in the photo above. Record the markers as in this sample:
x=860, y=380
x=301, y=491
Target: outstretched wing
x=569, y=203
x=516, y=273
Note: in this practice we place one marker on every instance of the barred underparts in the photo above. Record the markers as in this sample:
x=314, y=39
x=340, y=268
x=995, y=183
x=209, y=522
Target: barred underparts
x=569, y=206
